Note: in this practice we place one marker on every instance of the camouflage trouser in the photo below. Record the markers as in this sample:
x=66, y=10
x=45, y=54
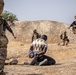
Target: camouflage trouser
x=3, y=52
x=3, y=55
x=65, y=41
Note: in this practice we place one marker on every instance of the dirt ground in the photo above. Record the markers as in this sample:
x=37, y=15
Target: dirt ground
x=65, y=57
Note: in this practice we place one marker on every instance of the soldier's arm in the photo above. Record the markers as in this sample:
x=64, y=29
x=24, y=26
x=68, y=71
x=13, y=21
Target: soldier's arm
x=9, y=29
x=72, y=24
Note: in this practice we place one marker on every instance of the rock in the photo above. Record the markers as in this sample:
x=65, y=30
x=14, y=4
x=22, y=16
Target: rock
x=13, y=61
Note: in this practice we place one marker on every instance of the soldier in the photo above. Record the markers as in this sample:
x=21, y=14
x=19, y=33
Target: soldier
x=64, y=38
x=73, y=25
x=3, y=39
x=35, y=35
x=37, y=52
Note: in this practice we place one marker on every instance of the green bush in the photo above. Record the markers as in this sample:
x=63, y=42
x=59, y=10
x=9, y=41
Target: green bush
x=8, y=16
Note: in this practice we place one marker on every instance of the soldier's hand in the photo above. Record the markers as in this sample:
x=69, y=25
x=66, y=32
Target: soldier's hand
x=15, y=37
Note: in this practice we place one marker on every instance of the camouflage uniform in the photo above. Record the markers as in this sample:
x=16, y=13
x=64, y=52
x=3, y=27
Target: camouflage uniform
x=3, y=46
x=3, y=51
x=64, y=38
x=3, y=39
x=35, y=35
x=73, y=25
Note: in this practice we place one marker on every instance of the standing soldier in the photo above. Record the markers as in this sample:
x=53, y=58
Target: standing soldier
x=73, y=25
x=3, y=39
x=35, y=35
x=64, y=38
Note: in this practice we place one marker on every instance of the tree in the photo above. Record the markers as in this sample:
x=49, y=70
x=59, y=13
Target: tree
x=8, y=16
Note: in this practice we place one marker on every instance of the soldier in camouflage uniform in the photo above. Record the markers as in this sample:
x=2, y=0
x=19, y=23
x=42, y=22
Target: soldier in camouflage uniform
x=64, y=39
x=3, y=39
x=35, y=35
x=73, y=25
x=37, y=52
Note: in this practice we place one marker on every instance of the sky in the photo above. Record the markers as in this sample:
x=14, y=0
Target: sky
x=54, y=10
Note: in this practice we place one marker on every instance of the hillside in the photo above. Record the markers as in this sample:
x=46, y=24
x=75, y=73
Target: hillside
x=24, y=29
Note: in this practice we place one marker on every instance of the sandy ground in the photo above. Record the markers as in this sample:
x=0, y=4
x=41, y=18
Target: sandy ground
x=65, y=57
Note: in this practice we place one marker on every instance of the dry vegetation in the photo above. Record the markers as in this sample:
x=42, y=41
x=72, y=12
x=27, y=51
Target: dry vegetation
x=65, y=56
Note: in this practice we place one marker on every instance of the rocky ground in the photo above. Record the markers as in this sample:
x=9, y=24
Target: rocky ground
x=65, y=57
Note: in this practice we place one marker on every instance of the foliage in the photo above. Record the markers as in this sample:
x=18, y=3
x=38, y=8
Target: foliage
x=9, y=16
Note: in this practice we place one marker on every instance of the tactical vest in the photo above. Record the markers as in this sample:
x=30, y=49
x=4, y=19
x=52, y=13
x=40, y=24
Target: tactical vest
x=1, y=27
x=39, y=44
x=3, y=38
